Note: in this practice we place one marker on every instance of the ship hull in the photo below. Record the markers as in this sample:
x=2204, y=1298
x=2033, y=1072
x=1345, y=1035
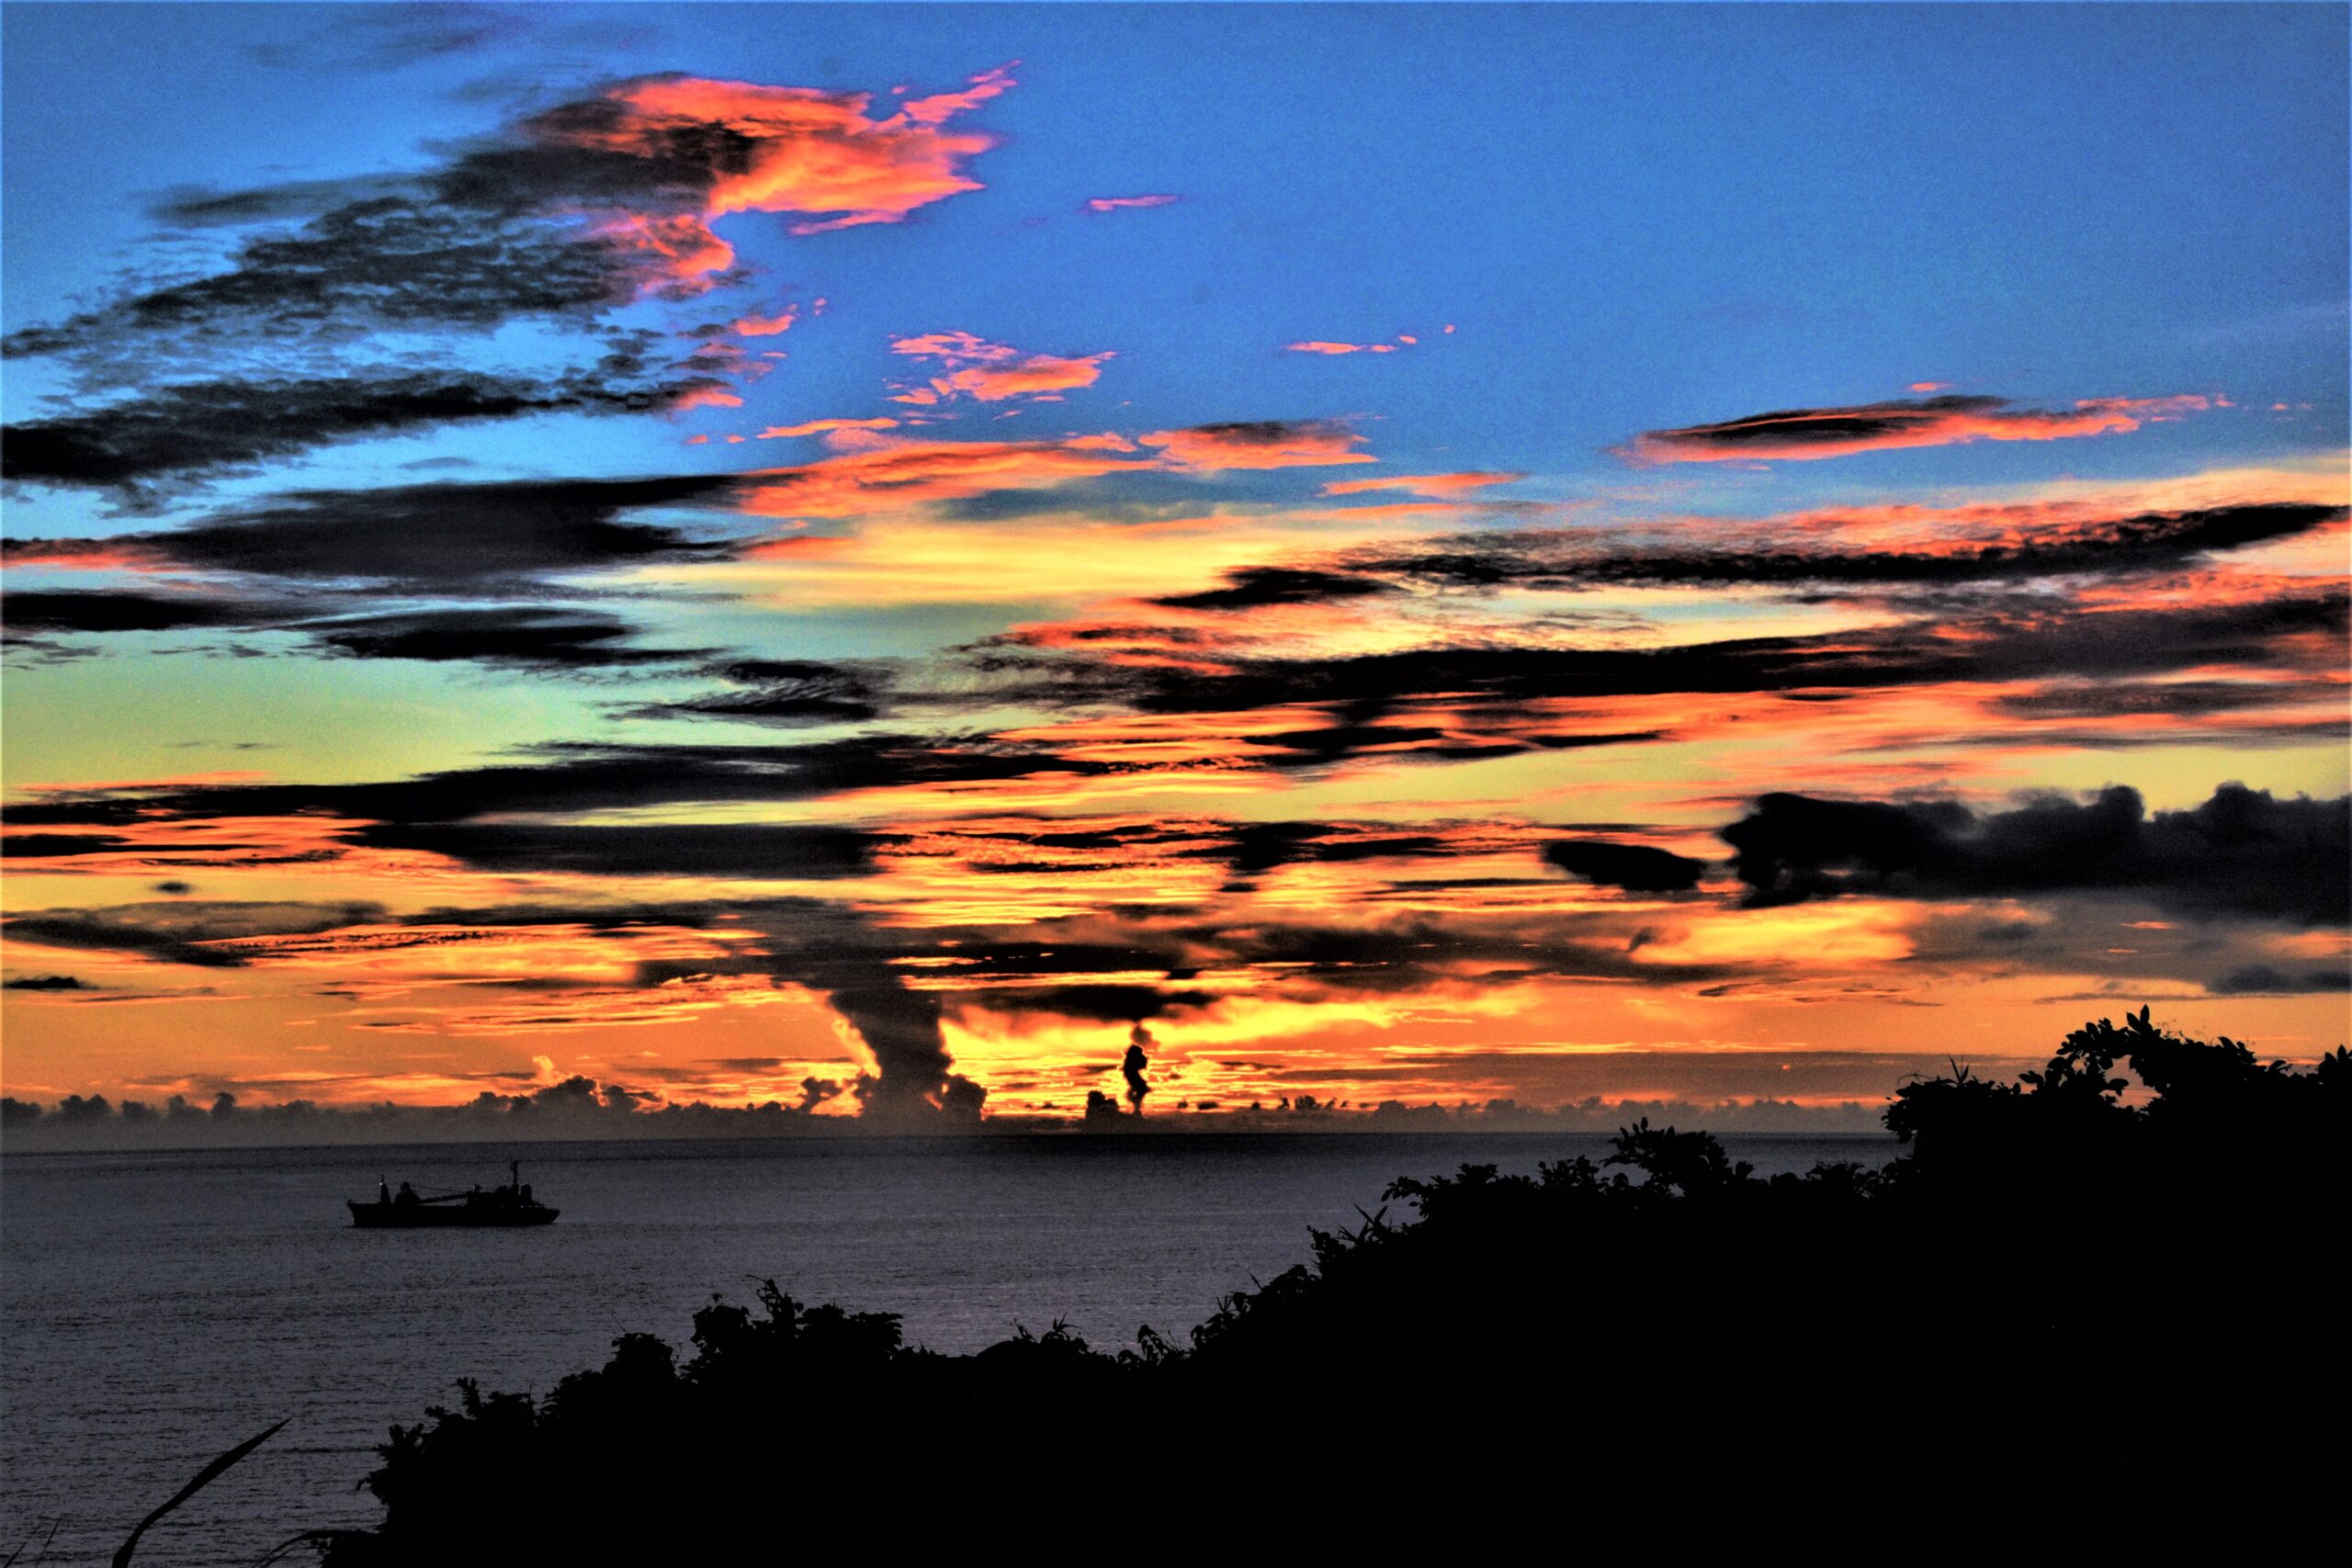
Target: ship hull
x=427, y=1216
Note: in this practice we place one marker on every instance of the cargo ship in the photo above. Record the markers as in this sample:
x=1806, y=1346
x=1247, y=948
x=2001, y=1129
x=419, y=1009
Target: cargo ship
x=407, y=1210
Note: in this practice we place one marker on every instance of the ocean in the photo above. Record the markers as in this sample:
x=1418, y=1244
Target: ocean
x=160, y=1307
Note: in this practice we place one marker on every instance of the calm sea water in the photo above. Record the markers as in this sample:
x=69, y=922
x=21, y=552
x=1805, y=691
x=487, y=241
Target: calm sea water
x=158, y=1308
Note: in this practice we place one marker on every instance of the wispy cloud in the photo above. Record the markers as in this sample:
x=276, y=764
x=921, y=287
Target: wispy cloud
x=825, y=427
x=1423, y=484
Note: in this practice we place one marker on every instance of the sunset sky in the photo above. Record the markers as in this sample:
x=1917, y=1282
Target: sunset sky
x=868, y=556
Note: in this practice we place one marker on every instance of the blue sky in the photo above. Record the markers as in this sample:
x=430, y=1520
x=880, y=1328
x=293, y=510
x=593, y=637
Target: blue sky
x=1638, y=216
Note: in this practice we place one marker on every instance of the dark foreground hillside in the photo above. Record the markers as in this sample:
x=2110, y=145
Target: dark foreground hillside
x=2050, y=1276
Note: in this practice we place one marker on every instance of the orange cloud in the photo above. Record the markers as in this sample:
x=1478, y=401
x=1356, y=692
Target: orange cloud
x=942, y=106
x=1260, y=444
x=797, y=150
x=905, y=472
x=704, y=396
x=1797, y=434
x=751, y=148
x=678, y=254
x=1041, y=373
x=1113, y=203
x=819, y=426
x=1423, y=484
x=143, y=847
x=899, y=556
x=768, y=326
x=991, y=372
x=162, y=782
x=2061, y=515
x=1319, y=346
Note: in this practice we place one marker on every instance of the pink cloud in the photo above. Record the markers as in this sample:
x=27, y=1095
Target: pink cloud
x=768, y=326
x=704, y=396
x=820, y=426
x=82, y=555
x=1113, y=203
x=992, y=372
x=942, y=106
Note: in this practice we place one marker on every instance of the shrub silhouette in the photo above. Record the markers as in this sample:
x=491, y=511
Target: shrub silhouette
x=2066, y=1255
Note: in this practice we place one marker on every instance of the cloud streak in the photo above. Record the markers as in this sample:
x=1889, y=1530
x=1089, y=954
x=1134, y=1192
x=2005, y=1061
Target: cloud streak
x=441, y=537
x=2008, y=544
x=1260, y=443
x=1802, y=433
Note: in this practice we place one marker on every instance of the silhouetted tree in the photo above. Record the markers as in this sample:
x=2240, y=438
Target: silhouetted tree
x=2076, y=1255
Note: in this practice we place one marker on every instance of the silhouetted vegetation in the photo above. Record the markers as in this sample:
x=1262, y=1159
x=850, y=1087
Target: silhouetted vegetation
x=2108, y=1251
x=202, y=1479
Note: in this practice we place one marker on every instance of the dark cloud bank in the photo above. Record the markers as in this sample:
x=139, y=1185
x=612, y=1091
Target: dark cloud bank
x=2243, y=854
x=2004, y=643
x=305, y=555
x=444, y=538
x=210, y=427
